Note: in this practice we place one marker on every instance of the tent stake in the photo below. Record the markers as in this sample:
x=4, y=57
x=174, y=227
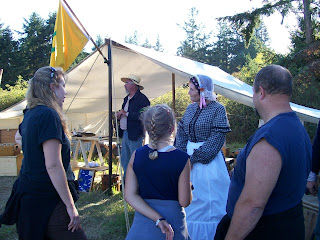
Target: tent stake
x=174, y=92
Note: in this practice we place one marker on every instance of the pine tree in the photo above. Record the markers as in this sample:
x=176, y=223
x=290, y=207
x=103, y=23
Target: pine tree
x=158, y=46
x=9, y=59
x=196, y=45
x=35, y=43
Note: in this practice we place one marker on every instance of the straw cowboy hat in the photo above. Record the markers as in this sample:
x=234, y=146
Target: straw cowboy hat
x=135, y=79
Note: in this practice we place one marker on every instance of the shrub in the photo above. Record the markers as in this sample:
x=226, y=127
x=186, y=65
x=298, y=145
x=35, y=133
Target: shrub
x=13, y=94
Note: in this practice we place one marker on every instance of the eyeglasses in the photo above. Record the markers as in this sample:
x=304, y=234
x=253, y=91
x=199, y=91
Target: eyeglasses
x=53, y=71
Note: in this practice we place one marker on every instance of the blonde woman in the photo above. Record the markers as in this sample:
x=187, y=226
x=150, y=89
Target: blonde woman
x=158, y=181
x=42, y=200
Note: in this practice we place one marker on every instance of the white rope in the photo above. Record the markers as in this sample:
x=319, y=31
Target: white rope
x=85, y=78
x=118, y=146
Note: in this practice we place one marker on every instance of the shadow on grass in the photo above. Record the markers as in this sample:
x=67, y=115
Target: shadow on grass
x=102, y=216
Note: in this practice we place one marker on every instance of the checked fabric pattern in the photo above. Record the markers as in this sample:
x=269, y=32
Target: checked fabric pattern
x=208, y=125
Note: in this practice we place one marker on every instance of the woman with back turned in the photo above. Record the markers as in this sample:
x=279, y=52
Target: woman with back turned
x=158, y=181
x=42, y=200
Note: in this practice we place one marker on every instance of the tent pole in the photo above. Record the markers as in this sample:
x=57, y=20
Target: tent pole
x=110, y=112
x=174, y=92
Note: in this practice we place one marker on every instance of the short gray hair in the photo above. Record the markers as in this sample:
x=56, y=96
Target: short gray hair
x=274, y=79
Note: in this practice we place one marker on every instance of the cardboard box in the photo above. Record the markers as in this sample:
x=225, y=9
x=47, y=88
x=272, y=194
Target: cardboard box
x=9, y=149
x=10, y=159
x=10, y=165
x=7, y=135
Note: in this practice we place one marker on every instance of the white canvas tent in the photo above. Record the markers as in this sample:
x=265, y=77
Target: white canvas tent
x=86, y=103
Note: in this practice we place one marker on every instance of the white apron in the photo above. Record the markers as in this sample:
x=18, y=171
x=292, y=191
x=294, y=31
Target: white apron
x=211, y=185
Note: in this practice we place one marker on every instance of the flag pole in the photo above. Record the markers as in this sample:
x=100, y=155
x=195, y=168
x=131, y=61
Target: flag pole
x=105, y=59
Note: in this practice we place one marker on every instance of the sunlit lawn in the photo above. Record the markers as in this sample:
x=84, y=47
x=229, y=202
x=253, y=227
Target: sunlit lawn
x=102, y=215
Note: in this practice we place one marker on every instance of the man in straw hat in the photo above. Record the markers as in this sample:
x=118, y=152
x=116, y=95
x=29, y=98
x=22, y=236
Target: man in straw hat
x=131, y=129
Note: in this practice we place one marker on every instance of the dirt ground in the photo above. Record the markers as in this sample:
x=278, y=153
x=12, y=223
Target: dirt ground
x=6, y=184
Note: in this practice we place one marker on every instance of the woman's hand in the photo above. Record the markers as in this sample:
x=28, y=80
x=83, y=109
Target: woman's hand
x=166, y=228
x=312, y=187
x=74, y=218
x=57, y=174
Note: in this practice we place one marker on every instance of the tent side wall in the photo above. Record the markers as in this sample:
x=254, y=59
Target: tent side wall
x=86, y=103
x=10, y=123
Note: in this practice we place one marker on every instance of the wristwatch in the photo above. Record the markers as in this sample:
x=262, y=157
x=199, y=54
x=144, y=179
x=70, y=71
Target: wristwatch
x=159, y=220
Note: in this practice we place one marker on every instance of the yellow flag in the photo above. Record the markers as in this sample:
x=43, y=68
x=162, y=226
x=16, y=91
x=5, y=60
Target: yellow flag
x=68, y=39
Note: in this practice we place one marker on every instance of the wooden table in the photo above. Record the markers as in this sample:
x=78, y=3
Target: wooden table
x=95, y=141
x=231, y=162
x=310, y=212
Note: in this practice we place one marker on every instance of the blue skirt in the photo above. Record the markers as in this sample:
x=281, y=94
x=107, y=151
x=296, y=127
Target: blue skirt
x=144, y=228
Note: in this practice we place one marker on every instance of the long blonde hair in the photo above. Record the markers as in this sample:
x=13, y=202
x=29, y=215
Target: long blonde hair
x=159, y=121
x=40, y=93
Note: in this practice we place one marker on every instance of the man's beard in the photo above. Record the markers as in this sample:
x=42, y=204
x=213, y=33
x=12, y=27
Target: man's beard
x=126, y=90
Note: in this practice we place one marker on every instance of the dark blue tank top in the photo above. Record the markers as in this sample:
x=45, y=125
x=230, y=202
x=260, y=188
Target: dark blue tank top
x=158, y=179
x=286, y=133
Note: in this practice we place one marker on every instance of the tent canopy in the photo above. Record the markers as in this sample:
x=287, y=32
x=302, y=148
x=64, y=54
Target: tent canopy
x=86, y=103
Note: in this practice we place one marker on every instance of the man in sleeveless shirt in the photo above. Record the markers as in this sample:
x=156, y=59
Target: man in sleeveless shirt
x=131, y=129
x=269, y=180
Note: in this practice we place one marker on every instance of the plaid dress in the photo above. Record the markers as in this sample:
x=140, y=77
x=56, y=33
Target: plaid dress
x=208, y=125
x=201, y=133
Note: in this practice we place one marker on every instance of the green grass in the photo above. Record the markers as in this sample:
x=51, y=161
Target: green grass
x=102, y=215
x=235, y=145
x=8, y=233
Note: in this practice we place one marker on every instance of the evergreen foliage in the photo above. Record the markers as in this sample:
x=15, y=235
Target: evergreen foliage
x=196, y=45
x=243, y=119
x=247, y=22
x=158, y=47
x=35, y=43
x=135, y=40
x=233, y=53
x=99, y=42
x=230, y=52
x=240, y=47
x=181, y=103
x=9, y=59
x=79, y=59
x=13, y=94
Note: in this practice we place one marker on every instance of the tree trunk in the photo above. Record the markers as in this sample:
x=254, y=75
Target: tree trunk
x=307, y=21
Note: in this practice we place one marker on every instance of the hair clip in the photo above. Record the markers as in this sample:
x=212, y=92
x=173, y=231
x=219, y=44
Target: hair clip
x=53, y=71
